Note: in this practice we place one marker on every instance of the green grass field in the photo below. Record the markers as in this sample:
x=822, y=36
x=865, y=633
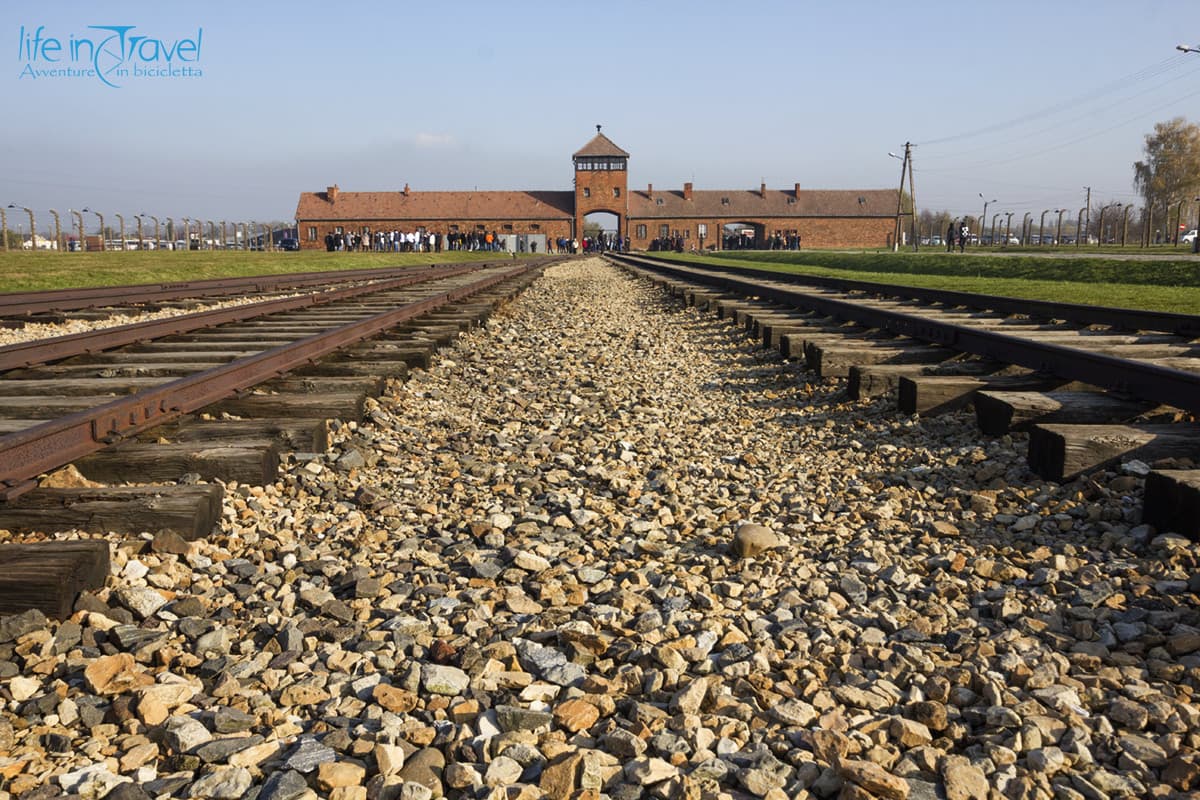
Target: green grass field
x=28, y=272
x=1159, y=285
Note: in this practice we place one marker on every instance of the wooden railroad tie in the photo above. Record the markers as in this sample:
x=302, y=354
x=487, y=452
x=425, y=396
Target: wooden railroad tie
x=48, y=576
x=190, y=511
x=1172, y=501
x=1059, y=452
x=998, y=412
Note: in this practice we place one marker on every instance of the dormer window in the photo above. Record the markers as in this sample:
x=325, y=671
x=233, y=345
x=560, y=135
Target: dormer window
x=724, y=201
x=658, y=201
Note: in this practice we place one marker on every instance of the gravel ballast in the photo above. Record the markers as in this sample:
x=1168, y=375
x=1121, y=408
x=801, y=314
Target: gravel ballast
x=609, y=547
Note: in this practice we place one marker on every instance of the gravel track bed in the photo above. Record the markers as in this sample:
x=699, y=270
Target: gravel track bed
x=611, y=548
x=34, y=331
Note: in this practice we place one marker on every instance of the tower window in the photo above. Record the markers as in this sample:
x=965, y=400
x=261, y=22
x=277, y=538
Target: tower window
x=616, y=191
x=587, y=192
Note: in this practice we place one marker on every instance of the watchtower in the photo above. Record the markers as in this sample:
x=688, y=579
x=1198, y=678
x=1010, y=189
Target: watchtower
x=601, y=182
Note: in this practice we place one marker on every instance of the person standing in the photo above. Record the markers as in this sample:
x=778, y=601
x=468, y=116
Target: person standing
x=950, y=238
x=963, y=233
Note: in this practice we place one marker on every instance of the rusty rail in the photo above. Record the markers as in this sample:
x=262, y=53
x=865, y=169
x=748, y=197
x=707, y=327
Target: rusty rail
x=30, y=452
x=17, y=304
x=42, y=351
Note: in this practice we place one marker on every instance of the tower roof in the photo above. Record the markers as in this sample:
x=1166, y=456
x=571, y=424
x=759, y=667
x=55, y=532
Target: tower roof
x=600, y=145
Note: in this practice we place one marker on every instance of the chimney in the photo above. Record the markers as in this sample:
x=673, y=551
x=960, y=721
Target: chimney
x=687, y=191
x=649, y=189
x=797, y=191
x=762, y=190
x=406, y=190
x=331, y=193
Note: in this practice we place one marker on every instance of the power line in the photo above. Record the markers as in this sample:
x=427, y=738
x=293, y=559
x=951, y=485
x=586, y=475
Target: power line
x=1135, y=77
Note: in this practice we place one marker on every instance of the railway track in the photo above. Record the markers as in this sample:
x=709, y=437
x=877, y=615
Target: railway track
x=1093, y=387
x=215, y=395
x=54, y=307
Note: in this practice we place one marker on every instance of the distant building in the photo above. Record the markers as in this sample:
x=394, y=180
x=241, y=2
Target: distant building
x=712, y=219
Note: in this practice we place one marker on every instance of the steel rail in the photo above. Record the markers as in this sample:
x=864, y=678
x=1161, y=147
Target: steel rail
x=26, y=303
x=1160, y=384
x=42, y=351
x=32, y=451
x=1123, y=318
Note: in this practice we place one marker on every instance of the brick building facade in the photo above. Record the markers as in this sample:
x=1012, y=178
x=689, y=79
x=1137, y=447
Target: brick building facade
x=702, y=219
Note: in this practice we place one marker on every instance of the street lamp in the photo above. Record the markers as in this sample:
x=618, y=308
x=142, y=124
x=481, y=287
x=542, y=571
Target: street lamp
x=224, y=236
x=4, y=229
x=1125, y=222
x=1079, y=231
x=1042, y=228
x=1058, y=231
x=1026, y=224
x=79, y=217
x=187, y=233
x=983, y=219
x=57, y=231
x=212, y=235
x=1008, y=215
x=993, y=237
x=32, y=229
x=141, y=239
x=101, y=216
x=157, y=240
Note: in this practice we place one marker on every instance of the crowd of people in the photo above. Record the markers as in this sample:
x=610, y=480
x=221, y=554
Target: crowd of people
x=744, y=240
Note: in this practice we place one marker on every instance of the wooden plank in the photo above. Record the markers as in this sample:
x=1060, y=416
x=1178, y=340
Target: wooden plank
x=834, y=359
x=930, y=395
x=304, y=435
x=372, y=386
x=254, y=463
x=336, y=368
x=66, y=387
x=412, y=354
x=1172, y=501
x=1059, y=452
x=48, y=576
x=190, y=511
x=80, y=371
x=998, y=412
x=346, y=406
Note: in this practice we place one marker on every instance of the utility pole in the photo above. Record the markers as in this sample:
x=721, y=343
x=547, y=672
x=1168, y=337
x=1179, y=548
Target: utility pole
x=906, y=168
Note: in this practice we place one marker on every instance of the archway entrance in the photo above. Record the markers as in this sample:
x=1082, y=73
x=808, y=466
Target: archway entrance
x=602, y=232
x=742, y=236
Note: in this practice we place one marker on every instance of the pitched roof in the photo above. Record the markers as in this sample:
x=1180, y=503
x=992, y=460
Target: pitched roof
x=436, y=205
x=600, y=145
x=771, y=203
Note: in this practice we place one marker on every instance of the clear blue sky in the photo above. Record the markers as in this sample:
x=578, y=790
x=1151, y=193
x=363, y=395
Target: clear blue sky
x=1026, y=102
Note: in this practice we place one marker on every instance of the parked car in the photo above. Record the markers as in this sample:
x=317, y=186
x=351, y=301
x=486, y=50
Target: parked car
x=289, y=244
x=1188, y=237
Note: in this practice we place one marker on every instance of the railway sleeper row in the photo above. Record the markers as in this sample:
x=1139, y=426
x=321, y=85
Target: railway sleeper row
x=241, y=439
x=1074, y=429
